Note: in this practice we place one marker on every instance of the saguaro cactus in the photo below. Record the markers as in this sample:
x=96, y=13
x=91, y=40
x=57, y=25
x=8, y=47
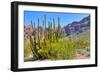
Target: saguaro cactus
x=59, y=27
x=54, y=29
x=45, y=21
x=38, y=34
x=45, y=32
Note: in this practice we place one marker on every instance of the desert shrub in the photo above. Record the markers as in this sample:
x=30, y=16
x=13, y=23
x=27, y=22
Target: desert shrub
x=63, y=49
x=27, y=48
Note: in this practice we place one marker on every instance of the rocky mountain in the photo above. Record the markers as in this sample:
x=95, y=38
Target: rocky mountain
x=78, y=26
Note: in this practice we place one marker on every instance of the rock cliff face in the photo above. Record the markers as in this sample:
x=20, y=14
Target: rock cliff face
x=78, y=26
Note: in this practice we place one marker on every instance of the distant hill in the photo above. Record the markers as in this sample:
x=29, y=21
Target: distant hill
x=77, y=27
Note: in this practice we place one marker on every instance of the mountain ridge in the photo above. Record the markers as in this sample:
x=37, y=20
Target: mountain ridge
x=78, y=26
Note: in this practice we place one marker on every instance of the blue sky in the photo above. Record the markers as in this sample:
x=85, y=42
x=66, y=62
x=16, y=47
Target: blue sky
x=65, y=18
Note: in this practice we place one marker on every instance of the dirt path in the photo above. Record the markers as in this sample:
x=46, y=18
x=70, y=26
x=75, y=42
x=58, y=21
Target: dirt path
x=82, y=54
